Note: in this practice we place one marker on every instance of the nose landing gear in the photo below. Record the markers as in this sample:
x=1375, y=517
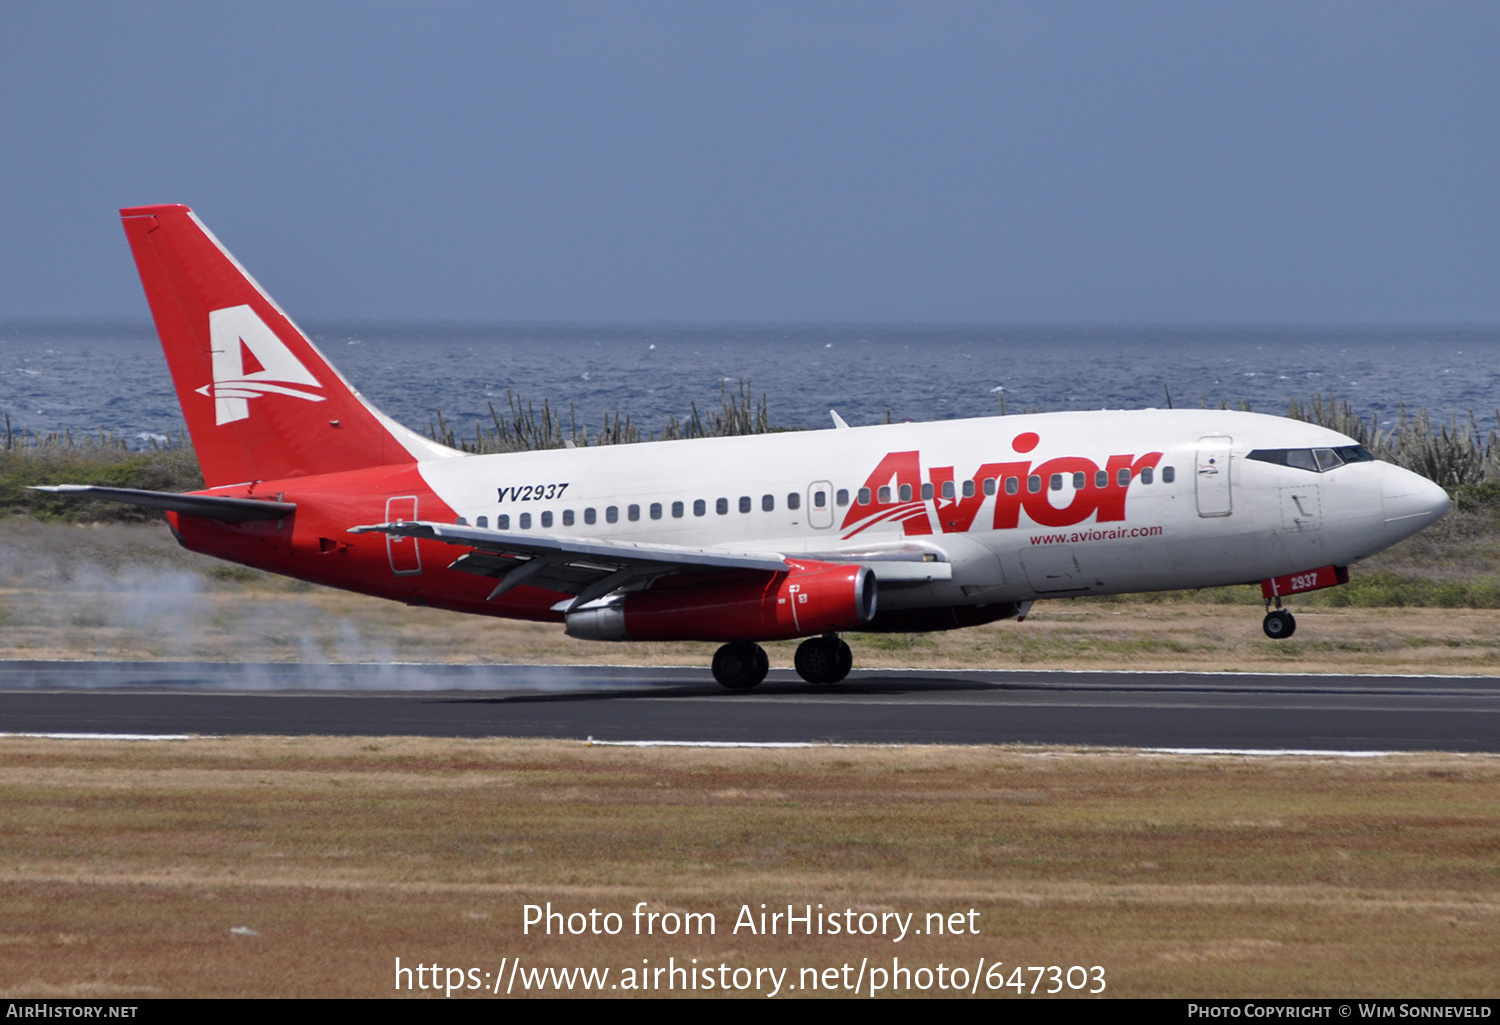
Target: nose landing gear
x=824, y=659
x=741, y=665
x=1279, y=624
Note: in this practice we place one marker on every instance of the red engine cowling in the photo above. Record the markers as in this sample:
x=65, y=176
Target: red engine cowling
x=812, y=598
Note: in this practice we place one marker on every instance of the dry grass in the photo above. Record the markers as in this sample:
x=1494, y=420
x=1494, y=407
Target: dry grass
x=123, y=867
x=119, y=591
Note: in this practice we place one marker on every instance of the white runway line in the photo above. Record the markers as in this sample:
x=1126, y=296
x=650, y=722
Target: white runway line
x=591, y=742
x=112, y=736
x=1270, y=752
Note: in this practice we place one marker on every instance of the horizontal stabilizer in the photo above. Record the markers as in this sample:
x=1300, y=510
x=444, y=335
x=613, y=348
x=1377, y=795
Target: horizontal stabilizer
x=210, y=507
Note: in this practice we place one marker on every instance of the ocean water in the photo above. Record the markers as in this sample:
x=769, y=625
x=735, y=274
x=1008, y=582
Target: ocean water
x=57, y=376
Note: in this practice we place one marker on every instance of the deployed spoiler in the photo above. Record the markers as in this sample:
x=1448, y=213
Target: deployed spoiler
x=210, y=507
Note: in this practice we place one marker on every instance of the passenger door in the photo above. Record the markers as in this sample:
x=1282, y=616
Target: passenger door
x=406, y=560
x=1212, y=477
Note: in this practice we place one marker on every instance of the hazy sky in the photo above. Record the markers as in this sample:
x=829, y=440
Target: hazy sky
x=1123, y=161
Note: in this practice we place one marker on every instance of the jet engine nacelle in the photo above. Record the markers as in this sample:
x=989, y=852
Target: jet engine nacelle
x=812, y=598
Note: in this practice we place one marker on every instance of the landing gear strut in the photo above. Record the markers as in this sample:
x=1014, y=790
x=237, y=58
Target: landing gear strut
x=1279, y=624
x=824, y=659
x=741, y=665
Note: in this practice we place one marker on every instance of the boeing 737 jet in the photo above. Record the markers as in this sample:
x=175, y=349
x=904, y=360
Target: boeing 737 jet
x=812, y=534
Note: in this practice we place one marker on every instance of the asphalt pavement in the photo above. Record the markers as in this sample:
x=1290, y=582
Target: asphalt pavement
x=1219, y=711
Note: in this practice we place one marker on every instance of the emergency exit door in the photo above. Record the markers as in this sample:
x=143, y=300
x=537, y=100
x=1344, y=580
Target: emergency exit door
x=820, y=505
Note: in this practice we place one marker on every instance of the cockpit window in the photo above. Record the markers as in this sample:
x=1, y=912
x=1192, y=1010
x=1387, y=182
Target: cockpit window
x=1317, y=460
x=1302, y=459
x=1327, y=459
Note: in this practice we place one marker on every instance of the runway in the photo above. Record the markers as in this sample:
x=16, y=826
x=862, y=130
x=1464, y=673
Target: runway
x=1179, y=710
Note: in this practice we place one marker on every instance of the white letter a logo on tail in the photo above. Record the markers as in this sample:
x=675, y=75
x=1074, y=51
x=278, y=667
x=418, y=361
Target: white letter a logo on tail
x=232, y=331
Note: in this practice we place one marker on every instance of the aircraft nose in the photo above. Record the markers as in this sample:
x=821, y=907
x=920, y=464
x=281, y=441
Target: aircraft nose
x=1411, y=502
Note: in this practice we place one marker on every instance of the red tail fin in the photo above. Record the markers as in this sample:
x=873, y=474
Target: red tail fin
x=260, y=400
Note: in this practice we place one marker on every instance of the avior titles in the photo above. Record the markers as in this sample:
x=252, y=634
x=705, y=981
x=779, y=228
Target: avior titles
x=896, y=492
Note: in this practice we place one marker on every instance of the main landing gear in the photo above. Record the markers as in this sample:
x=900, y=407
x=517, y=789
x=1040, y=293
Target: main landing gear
x=741, y=665
x=1279, y=623
x=824, y=659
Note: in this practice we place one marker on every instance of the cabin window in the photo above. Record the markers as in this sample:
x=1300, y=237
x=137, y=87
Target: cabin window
x=461, y=522
x=632, y=513
x=547, y=518
x=767, y=503
x=612, y=514
x=884, y=494
x=567, y=517
x=722, y=506
x=990, y=485
x=905, y=492
x=1122, y=477
x=1168, y=474
x=677, y=510
x=1012, y=485
x=1034, y=484
x=656, y=510
x=526, y=521
x=1147, y=474
x=820, y=499
x=1079, y=480
x=502, y=522
x=864, y=496
x=841, y=497
x=482, y=521
x=588, y=516
x=700, y=507
x=794, y=501
x=968, y=489
x=926, y=492
x=1056, y=482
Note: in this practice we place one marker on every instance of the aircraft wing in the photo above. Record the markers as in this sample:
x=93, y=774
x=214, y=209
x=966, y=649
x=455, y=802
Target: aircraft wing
x=587, y=567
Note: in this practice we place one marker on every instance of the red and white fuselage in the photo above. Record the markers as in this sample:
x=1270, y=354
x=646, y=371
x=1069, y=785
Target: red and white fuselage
x=741, y=538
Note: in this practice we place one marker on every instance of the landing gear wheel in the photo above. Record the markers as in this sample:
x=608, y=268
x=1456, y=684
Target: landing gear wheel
x=819, y=659
x=846, y=663
x=740, y=666
x=1279, y=625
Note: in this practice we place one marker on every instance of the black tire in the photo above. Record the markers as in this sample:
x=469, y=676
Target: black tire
x=845, y=663
x=817, y=659
x=740, y=666
x=1279, y=625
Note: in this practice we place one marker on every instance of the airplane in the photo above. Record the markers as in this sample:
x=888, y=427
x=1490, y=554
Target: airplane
x=907, y=527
